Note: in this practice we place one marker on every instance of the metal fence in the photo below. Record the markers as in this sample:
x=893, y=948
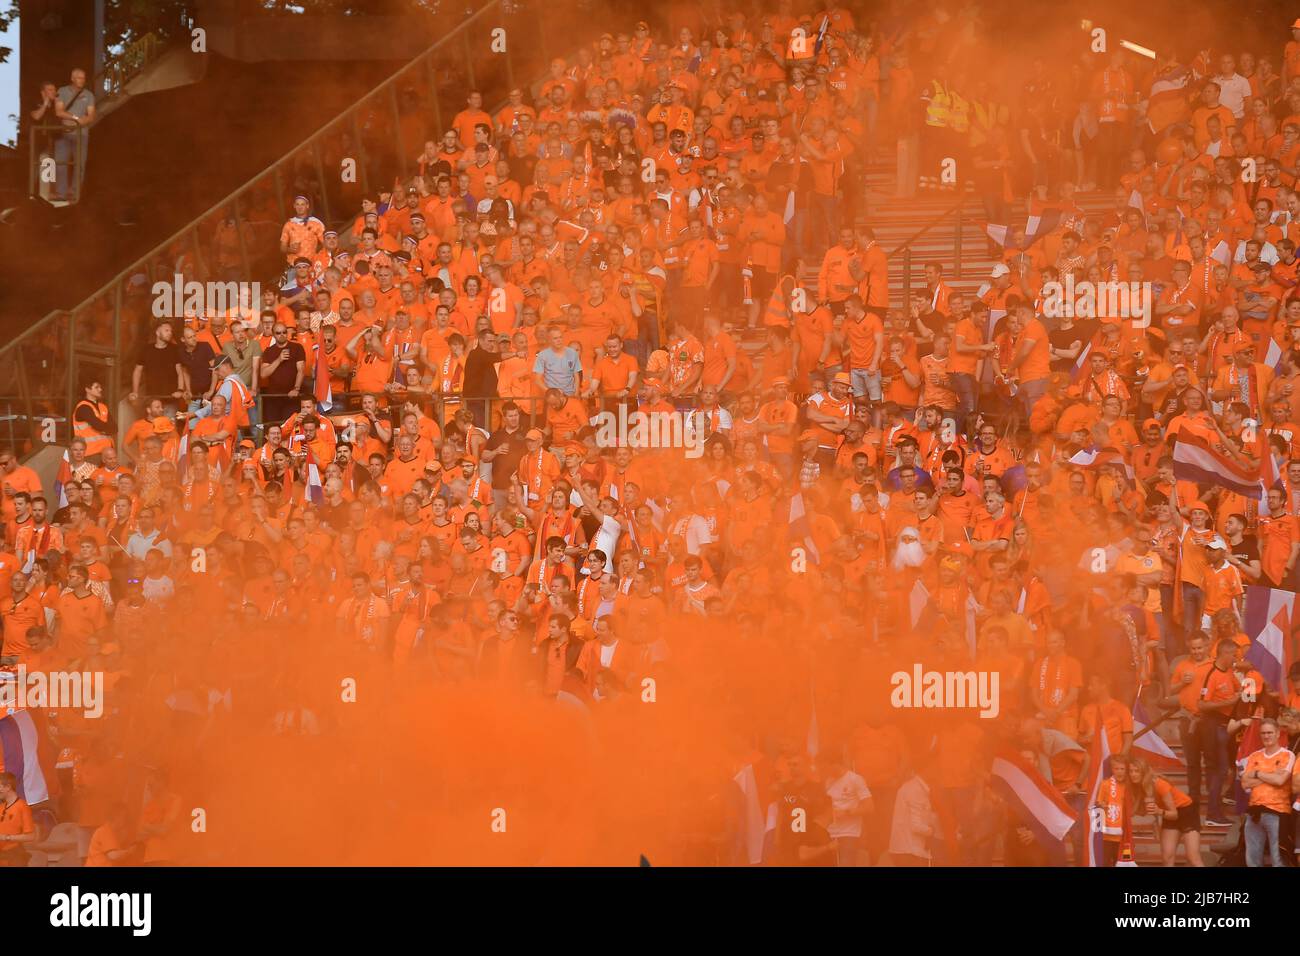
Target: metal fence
x=42, y=370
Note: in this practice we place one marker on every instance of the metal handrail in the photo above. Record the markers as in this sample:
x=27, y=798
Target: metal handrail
x=905, y=246
x=127, y=65
x=45, y=322
x=928, y=226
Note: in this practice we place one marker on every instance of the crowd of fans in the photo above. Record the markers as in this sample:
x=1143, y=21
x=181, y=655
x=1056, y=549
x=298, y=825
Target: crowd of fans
x=399, y=448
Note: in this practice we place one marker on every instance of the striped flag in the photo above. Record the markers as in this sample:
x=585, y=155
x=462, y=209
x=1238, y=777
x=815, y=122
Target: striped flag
x=314, y=492
x=1094, y=846
x=1267, y=622
x=918, y=602
x=1167, y=102
x=821, y=34
x=1200, y=457
x=1035, y=801
x=759, y=825
x=183, y=454
x=1080, y=364
x=22, y=750
x=1152, y=746
x=998, y=233
x=61, y=480
x=321, y=387
x=1273, y=354
x=800, y=529
x=1043, y=218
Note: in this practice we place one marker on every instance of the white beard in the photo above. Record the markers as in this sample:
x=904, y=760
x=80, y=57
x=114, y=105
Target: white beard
x=909, y=555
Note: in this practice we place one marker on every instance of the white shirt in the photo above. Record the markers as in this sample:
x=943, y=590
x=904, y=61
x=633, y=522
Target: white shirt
x=1233, y=92
x=847, y=794
x=607, y=540
x=914, y=820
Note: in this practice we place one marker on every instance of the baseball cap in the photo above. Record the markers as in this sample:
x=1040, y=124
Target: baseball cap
x=220, y=360
x=247, y=443
x=780, y=381
x=301, y=261
x=1199, y=505
x=842, y=378
x=534, y=434
x=999, y=270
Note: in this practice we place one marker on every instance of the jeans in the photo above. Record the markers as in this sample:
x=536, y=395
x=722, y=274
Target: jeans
x=1261, y=832
x=964, y=385
x=1110, y=146
x=866, y=384
x=70, y=151
x=1193, y=608
x=1031, y=392
x=1214, y=748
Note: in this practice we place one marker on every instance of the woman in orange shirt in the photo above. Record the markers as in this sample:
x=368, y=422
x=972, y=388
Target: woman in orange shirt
x=1176, y=815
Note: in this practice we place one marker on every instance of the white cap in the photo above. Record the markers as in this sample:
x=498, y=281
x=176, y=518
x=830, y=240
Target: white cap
x=999, y=270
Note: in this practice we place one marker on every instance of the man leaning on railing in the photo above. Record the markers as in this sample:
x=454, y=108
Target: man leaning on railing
x=74, y=106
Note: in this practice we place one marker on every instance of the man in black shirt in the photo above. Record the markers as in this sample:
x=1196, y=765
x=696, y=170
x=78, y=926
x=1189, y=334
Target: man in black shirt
x=481, y=375
x=158, y=371
x=196, y=360
x=283, y=366
x=503, y=449
x=1243, y=550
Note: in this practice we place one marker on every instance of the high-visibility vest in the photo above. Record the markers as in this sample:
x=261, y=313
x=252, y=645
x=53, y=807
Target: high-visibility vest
x=96, y=441
x=777, y=312
x=958, y=113
x=936, y=114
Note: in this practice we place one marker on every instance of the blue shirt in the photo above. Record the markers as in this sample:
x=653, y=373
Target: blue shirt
x=559, y=371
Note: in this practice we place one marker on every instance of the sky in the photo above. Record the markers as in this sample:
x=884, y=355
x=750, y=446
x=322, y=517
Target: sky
x=10, y=95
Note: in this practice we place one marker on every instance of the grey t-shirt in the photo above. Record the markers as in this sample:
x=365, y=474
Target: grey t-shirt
x=558, y=371
x=73, y=104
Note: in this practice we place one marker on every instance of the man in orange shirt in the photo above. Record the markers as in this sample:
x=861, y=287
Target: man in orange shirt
x=16, y=826
x=614, y=375
x=866, y=338
x=1106, y=714
x=20, y=612
x=1219, y=695
x=1266, y=776
x=1030, y=364
x=699, y=254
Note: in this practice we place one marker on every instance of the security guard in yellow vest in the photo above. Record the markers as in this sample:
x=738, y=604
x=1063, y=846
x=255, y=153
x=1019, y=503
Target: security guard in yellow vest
x=934, y=134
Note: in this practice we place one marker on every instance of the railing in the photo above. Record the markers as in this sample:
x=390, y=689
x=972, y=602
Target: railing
x=125, y=66
x=956, y=213
x=47, y=174
x=41, y=371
